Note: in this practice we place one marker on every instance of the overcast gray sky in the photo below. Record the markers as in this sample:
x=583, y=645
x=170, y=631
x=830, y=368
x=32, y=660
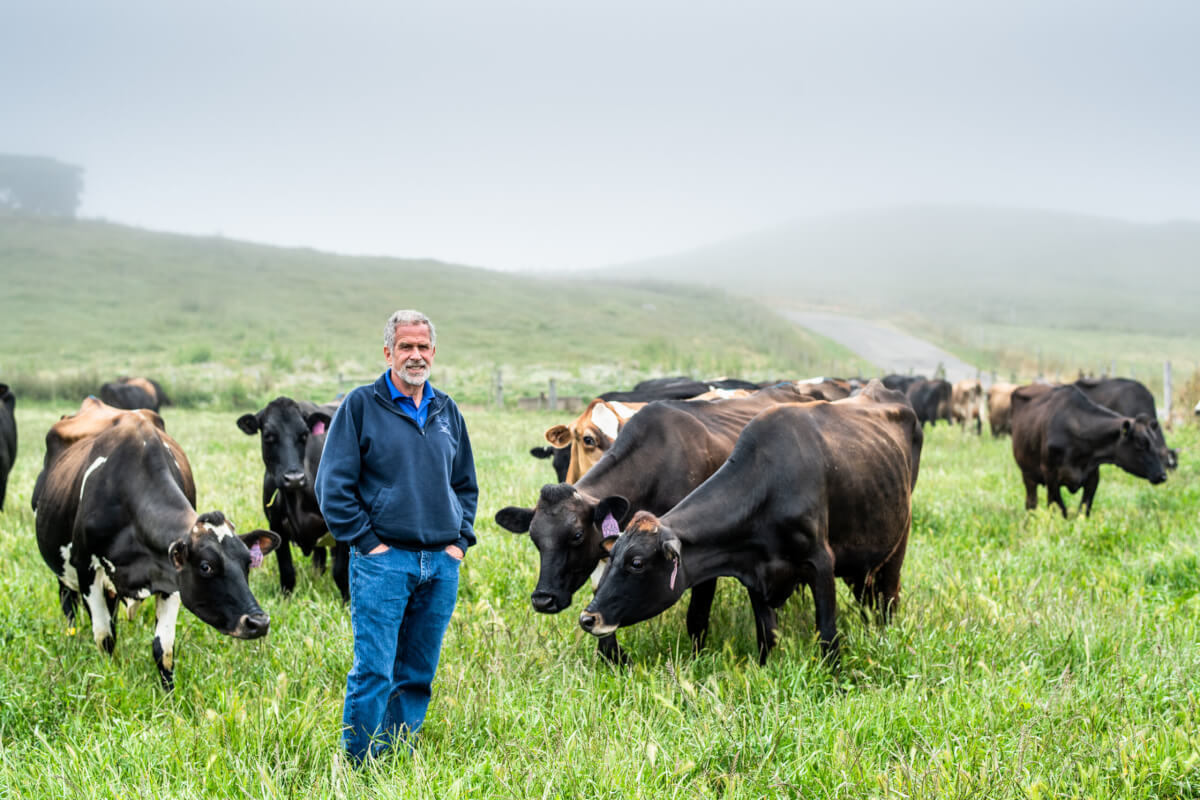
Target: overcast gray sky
x=566, y=134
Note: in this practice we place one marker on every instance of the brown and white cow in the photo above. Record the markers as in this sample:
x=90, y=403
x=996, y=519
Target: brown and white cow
x=966, y=404
x=116, y=521
x=591, y=434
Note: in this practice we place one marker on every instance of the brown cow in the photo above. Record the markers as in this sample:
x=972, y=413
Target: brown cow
x=999, y=405
x=966, y=401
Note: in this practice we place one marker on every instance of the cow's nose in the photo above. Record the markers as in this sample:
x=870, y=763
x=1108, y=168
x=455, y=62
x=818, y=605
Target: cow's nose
x=544, y=602
x=294, y=480
x=588, y=620
x=254, y=626
x=1159, y=478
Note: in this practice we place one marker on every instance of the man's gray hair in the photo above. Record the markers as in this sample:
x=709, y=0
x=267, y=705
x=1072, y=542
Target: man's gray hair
x=406, y=316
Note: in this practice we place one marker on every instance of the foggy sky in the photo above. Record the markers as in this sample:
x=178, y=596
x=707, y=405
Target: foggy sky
x=564, y=133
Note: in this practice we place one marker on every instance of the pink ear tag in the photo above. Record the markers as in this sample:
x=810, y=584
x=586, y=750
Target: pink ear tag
x=256, y=556
x=608, y=527
x=318, y=428
x=674, y=574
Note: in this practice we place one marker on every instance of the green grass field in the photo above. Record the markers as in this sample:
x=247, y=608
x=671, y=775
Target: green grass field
x=1031, y=657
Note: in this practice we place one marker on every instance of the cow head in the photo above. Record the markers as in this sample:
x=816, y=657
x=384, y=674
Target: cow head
x=572, y=532
x=560, y=459
x=213, y=565
x=591, y=434
x=644, y=577
x=1138, y=451
x=285, y=440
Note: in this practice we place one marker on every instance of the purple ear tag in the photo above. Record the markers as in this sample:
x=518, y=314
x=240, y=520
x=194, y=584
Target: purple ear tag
x=608, y=527
x=674, y=574
x=318, y=428
x=256, y=556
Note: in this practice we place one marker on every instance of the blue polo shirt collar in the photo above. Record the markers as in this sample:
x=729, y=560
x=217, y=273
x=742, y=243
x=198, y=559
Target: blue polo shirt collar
x=406, y=404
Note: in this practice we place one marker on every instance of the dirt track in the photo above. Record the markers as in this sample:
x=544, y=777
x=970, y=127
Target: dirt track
x=890, y=350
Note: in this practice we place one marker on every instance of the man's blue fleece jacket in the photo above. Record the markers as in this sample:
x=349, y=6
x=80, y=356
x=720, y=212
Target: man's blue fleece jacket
x=384, y=479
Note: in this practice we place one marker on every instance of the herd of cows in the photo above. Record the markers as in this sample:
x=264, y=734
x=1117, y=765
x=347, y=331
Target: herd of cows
x=660, y=489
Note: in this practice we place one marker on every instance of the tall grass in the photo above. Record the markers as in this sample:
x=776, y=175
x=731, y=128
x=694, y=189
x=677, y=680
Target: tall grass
x=1031, y=657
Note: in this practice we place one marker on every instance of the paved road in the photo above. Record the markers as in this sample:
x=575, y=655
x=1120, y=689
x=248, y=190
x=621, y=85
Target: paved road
x=890, y=350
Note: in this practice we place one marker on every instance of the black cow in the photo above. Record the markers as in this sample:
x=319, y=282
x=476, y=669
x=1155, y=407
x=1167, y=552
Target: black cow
x=665, y=450
x=1060, y=438
x=293, y=438
x=1128, y=398
x=810, y=493
x=931, y=399
x=900, y=383
x=8, y=437
x=116, y=521
x=134, y=393
x=560, y=459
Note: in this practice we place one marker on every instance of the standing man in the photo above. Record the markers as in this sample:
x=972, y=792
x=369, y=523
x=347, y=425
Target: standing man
x=397, y=483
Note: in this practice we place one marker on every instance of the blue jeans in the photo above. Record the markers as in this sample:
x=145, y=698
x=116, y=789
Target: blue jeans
x=400, y=606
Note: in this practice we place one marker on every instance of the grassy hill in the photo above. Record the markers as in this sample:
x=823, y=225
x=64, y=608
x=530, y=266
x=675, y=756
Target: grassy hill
x=234, y=323
x=954, y=263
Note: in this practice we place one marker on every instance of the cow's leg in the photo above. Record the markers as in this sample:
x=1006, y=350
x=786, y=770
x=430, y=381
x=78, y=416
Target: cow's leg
x=341, y=569
x=287, y=571
x=824, y=592
x=765, y=624
x=100, y=606
x=699, y=610
x=166, y=612
x=68, y=600
x=1089, y=491
x=1031, y=490
x=886, y=583
x=610, y=650
x=318, y=560
x=1054, y=496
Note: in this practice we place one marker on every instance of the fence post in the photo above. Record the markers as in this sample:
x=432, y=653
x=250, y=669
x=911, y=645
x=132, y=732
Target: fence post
x=499, y=389
x=553, y=395
x=1167, y=390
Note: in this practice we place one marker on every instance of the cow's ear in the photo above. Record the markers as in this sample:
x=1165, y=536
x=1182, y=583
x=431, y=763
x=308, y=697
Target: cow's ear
x=1126, y=427
x=616, y=505
x=536, y=452
x=515, y=519
x=248, y=423
x=178, y=551
x=671, y=549
x=265, y=541
x=559, y=435
x=318, y=422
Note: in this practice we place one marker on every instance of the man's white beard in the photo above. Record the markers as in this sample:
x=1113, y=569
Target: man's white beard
x=416, y=379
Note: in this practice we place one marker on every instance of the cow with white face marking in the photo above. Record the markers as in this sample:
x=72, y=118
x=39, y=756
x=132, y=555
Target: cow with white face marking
x=116, y=521
x=293, y=438
x=591, y=434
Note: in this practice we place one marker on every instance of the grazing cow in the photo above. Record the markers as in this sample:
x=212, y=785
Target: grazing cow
x=665, y=451
x=134, y=393
x=116, y=521
x=1128, y=398
x=8, y=438
x=999, y=407
x=966, y=401
x=810, y=493
x=293, y=437
x=930, y=399
x=1060, y=438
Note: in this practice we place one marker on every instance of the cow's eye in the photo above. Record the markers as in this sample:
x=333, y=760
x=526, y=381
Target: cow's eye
x=207, y=569
x=577, y=536
x=270, y=438
x=590, y=441
x=303, y=437
x=636, y=563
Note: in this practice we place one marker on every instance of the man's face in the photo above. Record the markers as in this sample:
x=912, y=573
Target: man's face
x=411, y=357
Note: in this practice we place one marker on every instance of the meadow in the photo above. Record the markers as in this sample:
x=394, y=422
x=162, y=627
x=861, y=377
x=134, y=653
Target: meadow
x=1030, y=657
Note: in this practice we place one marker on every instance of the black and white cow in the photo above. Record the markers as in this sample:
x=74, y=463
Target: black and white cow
x=116, y=521
x=293, y=438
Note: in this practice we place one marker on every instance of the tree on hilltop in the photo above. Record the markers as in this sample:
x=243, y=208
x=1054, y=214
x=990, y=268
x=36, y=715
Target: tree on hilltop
x=39, y=185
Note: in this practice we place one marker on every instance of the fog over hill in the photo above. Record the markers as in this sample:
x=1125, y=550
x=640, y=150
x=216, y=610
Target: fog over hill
x=997, y=264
